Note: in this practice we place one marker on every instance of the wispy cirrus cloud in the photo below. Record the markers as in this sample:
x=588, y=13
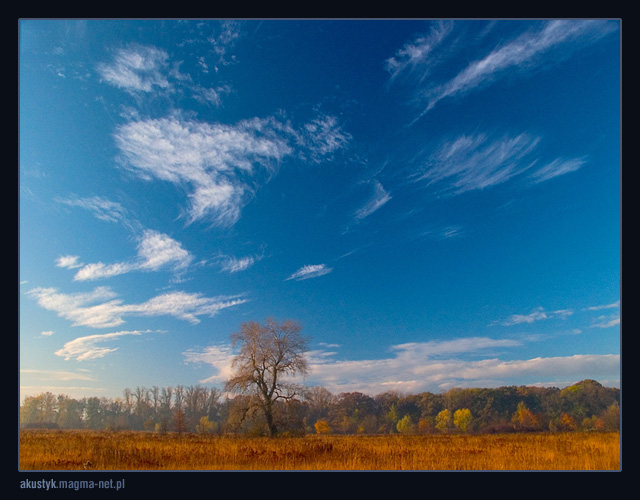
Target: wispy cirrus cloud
x=379, y=198
x=537, y=314
x=472, y=162
x=318, y=139
x=546, y=42
x=480, y=161
x=155, y=251
x=310, y=271
x=137, y=69
x=606, y=321
x=57, y=375
x=225, y=40
x=142, y=70
x=232, y=264
x=101, y=308
x=613, y=305
x=557, y=167
x=102, y=208
x=87, y=348
x=414, y=58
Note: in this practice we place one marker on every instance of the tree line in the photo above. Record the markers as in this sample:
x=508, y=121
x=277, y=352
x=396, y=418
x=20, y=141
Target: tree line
x=267, y=402
x=584, y=406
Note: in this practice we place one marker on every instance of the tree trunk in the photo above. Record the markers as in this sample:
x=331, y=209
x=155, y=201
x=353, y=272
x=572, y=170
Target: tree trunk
x=271, y=426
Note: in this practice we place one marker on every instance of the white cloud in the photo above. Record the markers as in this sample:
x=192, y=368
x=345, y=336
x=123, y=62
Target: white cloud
x=536, y=315
x=230, y=33
x=155, y=251
x=101, y=309
x=613, y=305
x=480, y=161
x=98, y=270
x=311, y=271
x=137, y=69
x=473, y=162
x=220, y=165
x=102, y=208
x=435, y=366
x=220, y=357
x=56, y=374
x=416, y=56
x=86, y=348
x=321, y=137
x=68, y=261
x=606, y=322
x=517, y=319
x=234, y=264
x=215, y=163
x=525, y=53
x=447, y=347
x=210, y=96
x=379, y=198
x=557, y=167
x=428, y=366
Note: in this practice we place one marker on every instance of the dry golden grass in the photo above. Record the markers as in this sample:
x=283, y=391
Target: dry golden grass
x=72, y=450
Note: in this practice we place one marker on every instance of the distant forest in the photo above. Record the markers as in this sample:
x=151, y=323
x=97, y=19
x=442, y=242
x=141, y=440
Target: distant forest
x=584, y=406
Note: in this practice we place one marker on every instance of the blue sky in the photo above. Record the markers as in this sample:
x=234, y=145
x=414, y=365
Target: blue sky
x=437, y=202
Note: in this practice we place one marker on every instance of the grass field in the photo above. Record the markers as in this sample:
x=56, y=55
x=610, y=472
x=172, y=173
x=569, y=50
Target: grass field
x=77, y=450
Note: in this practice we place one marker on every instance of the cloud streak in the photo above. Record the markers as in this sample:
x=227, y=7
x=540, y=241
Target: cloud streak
x=480, y=161
x=102, y=208
x=310, y=271
x=416, y=56
x=57, y=375
x=538, y=314
x=379, y=198
x=234, y=264
x=101, y=308
x=531, y=50
x=87, y=348
x=155, y=251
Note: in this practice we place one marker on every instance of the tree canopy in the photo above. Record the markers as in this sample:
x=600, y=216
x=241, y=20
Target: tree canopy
x=269, y=356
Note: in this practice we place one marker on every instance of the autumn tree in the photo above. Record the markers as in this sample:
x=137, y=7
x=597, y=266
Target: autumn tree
x=524, y=419
x=444, y=420
x=462, y=418
x=205, y=425
x=269, y=357
x=405, y=425
x=322, y=427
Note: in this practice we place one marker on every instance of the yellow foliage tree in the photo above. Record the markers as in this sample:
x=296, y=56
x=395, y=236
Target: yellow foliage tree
x=405, y=425
x=443, y=420
x=205, y=425
x=462, y=418
x=322, y=427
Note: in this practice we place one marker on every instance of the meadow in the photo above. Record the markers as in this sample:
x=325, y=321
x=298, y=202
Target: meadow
x=131, y=450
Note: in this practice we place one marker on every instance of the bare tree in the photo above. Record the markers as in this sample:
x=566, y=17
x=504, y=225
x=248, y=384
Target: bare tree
x=270, y=356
